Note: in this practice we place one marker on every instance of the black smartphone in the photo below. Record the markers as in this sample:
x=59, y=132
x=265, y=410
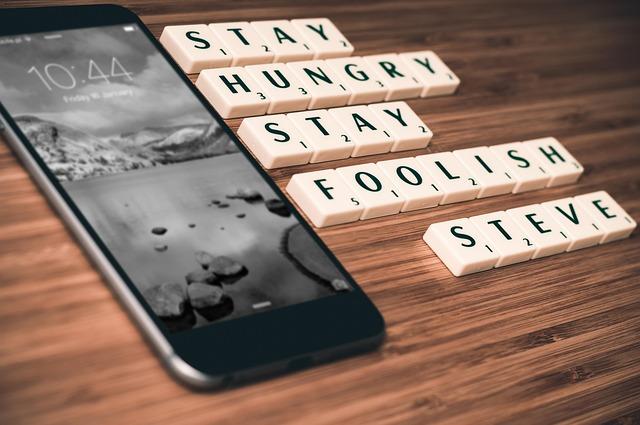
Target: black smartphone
x=222, y=275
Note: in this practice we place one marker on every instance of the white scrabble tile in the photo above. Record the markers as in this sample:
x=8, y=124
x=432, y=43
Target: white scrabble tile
x=396, y=75
x=325, y=38
x=325, y=198
x=284, y=39
x=244, y=43
x=232, y=92
x=359, y=77
x=325, y=135
x=275, y=141
x=285, y=91
x=327, y=90
x=608, y=215
x=450, y=176
x=377, y=194
x=436, y=77
x=406, y=127
x=503, y=234
x=195, y=47
x=547, y=236
x=529, y=174
x=555, y=159
x=576, y=222
x=490, y=172
x=364, y=129
x=461, y=246
x=413, y=182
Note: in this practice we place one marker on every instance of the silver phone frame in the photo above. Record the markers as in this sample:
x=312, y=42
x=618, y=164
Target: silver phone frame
x=176, y=365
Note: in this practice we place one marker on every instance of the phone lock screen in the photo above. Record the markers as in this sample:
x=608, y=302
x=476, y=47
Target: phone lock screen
x=184, y=213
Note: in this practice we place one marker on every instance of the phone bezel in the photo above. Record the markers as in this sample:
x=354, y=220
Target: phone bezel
x=287, y=337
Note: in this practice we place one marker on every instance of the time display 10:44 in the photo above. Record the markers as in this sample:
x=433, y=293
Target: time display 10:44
x=57, y=75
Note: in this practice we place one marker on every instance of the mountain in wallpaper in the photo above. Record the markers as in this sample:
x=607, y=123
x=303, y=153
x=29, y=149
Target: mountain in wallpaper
x=74, y=155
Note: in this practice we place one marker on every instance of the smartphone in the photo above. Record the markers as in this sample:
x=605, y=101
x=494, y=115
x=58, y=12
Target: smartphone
x=223, y=276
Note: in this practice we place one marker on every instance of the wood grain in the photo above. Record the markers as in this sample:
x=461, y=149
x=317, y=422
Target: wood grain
x=551, y=341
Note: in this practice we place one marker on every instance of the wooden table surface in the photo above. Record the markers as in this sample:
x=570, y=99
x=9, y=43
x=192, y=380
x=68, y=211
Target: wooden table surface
x=553, y=340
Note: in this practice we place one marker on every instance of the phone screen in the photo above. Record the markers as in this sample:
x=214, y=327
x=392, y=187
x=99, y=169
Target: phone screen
x=190, y=221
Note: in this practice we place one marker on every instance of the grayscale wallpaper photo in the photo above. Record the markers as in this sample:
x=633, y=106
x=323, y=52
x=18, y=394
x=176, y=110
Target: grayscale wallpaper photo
x=193, y=225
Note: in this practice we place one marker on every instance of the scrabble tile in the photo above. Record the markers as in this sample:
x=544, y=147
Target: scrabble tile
x=275, y=141
x=503, y=234
x=556, y=160
x=244, y=43
x=371, y=187
x=325, y=38
x=522, y=165
x=396, y=75
x=576, y=222
x=284, y=90
x=491, y=173
x=436, y=77
x=285, y=40
x=455, y=181
x=408, y=130
x=461, y=246
x=232, y=92
x=325, y=198
x=608, y=215
x=414, y=183
x=364, y=129
x=547, y=236
x=325, y=135
x=358, y=76
x=195, y=47
x=326, y=89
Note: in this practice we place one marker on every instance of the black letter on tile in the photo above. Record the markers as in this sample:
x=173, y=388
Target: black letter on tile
x=205, y=44
x=361, y=122
x=446, y=172
x=374, y=179
x=316, y=122
x=536, y=223
x=512, y=154
x=285, y=137
x=324, y=189
x=281, y=35
x=426, y=64
x=231, y=84
x=237, y=32
x=602, y=209
x=455, y=231
x=319, y=30
x=551, y=153
x=398, y=117
x=500, y=228
x=417, y=178
x=361, y=75
x=484, y=164
x=284, y=83
x=573, y=217
x=390, y=68
x=319, y=75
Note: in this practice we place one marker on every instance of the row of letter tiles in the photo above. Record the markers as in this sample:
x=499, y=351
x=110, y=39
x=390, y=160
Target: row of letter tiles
x=198, y=47
x=470, y=245
x=331, y=197
x=314, y=84
x=325, y=135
